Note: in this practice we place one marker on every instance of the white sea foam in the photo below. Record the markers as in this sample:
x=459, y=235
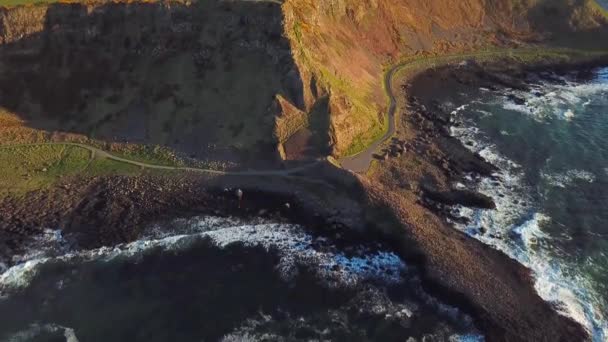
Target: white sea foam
x=467, y=338
x=37, y=330
x=567, y=178
x=569, y=114
x=459, y=109
x=530, y=231
x=49, y=243
x=370, y=301
x=516, y=228
x=558, y=100
x=484, y=113
x=293, y=244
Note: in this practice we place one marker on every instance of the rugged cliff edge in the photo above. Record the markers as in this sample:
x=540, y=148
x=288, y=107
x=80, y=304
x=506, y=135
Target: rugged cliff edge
x=217, y=80
x=240, y=84
x=344, y=46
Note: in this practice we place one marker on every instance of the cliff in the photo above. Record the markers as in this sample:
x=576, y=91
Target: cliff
x=344, y=45
x=212, y=79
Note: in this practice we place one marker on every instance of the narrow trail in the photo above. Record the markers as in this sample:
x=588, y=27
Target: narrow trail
x=99, y=153
x=361, y=161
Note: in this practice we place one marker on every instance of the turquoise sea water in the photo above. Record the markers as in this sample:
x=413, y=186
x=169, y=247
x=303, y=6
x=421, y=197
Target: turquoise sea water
x=551, y=145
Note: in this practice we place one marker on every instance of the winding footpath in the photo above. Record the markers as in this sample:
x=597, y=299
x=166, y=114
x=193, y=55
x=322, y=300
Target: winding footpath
x=361, y=161
x=99, y=153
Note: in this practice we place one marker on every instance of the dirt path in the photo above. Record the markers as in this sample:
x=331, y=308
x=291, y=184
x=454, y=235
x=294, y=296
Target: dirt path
x=99, y=153
x=361, y=161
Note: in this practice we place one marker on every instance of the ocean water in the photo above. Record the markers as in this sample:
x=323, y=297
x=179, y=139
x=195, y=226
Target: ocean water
x=551, y=145
x=220, y=279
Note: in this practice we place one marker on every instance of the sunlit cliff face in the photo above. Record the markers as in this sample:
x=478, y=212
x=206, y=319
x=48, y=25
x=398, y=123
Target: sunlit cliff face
x=287, y=56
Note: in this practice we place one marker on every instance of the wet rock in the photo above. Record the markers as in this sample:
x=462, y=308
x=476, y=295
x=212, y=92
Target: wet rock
x=466, y=198
x=516, y=99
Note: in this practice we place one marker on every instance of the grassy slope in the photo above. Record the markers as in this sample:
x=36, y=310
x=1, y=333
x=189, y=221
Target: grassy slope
x=14, y=131
x=344, y=44
x=601, y=6
x=28, y=168
x=9, y=3
x=345, y=52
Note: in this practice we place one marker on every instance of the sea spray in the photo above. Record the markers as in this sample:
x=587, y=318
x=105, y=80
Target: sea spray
x=293, y=244
x=169, y=249
x=521, y=226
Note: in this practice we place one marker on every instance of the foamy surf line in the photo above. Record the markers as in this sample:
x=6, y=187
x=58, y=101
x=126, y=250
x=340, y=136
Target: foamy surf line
x=557, y=101
x=294, y=246
x=291, y=242
x=516, y=228
x=35, y=331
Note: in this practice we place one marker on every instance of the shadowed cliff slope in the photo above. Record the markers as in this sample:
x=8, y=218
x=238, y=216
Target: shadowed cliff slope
x=203, y=79
x=234, y=80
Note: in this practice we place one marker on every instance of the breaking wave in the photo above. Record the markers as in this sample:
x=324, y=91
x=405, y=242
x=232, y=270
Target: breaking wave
x=365, y=272
x=516, y=226
x=44, y=332
x=555, y=100
x=563, y=180
x=293, y=244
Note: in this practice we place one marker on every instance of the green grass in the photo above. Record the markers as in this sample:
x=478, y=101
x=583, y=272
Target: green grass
x=521, y=56
x=103, y=166
x=11, y=3
x=361, y=142
x=412, y=65
x=525, y=56
x=29, y=168
x=601, y=6
x=363, y=109
x=155, y=155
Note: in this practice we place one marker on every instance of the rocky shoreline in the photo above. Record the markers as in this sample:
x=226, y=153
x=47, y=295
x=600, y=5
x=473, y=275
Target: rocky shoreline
x=105, y=211
x=449, y=162
x=403, y=204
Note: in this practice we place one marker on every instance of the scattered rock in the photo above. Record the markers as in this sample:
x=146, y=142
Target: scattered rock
x=516, y=99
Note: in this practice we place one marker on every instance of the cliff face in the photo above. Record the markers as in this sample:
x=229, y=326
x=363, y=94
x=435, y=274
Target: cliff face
x=18, y=22
x=219, y=80
x=344, y=45
x=200, y=78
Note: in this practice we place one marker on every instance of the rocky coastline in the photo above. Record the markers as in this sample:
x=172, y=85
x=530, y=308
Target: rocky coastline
x=407, y=211
x=450, y=161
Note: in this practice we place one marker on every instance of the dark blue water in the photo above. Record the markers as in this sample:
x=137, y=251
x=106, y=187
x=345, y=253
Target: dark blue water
x=212, y=279
x=551, y=144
